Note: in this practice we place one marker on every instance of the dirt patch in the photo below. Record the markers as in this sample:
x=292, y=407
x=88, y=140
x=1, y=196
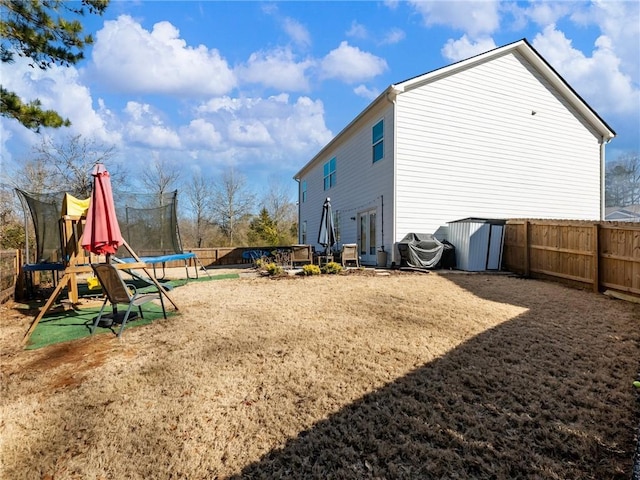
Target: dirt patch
x=343, y=376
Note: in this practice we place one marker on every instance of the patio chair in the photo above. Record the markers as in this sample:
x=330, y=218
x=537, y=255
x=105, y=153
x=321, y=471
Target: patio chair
x=350, y=254
x=117, y=292
x=301, y=254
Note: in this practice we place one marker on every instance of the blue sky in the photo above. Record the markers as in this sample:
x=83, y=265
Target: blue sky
x=263, y=86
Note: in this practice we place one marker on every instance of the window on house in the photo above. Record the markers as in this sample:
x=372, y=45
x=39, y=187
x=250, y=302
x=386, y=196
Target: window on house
x=330, y=174
x=303, y=233
x=377, y=134
x=304, y=191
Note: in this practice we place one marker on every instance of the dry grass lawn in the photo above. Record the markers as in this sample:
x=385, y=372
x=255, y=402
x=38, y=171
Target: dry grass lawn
x=346, y=377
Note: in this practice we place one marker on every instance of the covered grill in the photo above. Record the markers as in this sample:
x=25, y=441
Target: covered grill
x=424, y=250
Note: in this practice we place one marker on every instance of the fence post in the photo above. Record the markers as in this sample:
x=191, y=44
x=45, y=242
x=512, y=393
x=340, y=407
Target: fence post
x=526, y=248
x=596, y=257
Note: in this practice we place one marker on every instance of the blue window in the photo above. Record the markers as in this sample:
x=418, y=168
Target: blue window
x=304, y=191
x=330, y=174
x=378, y=141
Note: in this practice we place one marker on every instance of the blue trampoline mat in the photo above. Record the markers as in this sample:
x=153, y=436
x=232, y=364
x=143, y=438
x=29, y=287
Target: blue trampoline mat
x=161, y=258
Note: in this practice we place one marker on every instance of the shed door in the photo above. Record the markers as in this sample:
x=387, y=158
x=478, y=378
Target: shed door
x=367, y=236
x=494, y=254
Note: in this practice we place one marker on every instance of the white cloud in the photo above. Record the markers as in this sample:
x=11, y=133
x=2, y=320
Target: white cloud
x=298, y=32
x=463, y=48
x=282, y=129
x=350, y=64
x=60, y=89
x=220, y=104
x=545, y=13
x=146, y=127
x=357, y=30
x=200, y=134
x=598, y=79
x=473, y=18
x=128, y=58
x=393, y=36
x=365, y=92
x=276, y=69
x=249, y=133
x=303, y=129
x=620, y=22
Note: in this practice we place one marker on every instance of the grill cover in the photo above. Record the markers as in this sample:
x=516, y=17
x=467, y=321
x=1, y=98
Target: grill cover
x=424, y=250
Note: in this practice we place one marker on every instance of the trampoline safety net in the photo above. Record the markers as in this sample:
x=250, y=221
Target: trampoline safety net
x=148, y=222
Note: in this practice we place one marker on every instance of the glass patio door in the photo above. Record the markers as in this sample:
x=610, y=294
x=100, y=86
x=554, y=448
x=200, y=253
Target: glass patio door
x=367, y=237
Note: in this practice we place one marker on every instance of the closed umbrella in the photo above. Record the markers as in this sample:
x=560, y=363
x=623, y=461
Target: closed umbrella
x=327, y=233
x=101, y=232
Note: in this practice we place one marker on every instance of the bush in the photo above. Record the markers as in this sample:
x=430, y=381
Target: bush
x=273, y=269
x=310, y=270
x=332, y=268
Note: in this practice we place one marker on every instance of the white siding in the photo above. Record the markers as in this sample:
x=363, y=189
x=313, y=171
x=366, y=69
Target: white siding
x=469, y=146
x=360, y=184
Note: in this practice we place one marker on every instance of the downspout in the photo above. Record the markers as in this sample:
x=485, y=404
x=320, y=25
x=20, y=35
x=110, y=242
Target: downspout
x=603, y=169
x=391, y=98
x=299, y=206
x=602, y=178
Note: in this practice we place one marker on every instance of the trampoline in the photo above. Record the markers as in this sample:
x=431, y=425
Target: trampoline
x=164, y=259
x=149, y=224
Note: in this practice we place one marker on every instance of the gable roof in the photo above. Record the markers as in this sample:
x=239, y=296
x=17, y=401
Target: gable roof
x=524, y=48
x=630, y=213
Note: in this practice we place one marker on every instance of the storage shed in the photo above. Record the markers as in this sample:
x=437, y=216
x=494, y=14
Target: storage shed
x=478, y=243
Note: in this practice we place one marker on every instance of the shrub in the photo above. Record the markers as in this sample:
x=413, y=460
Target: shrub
x=273, y=269
x=310, y=270
x=332, y=268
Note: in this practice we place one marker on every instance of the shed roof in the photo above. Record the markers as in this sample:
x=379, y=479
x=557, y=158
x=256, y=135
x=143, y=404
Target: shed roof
x=524, y=48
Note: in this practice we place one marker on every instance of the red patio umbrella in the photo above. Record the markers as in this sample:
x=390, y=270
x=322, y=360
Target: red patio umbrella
x=101, y=232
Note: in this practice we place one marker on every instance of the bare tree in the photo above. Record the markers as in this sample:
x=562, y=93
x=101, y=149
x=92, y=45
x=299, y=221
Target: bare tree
x=66, y=166
x=232, y=203
x=161, y=177
x=199, y=196
x=280, y=205
x=622, y=181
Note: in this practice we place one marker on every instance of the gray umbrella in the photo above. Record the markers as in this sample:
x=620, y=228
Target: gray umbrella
x=327, y=233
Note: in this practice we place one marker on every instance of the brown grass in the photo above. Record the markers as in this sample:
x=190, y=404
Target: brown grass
x=346, y=377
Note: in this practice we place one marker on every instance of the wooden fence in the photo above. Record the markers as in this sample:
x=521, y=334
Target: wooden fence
x=602, y=255
x=10, y=262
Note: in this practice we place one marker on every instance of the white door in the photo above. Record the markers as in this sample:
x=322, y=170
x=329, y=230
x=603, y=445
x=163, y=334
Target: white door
x=367, y=237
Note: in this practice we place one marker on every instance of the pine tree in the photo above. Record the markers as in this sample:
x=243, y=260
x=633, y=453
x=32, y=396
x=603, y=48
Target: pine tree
x=39, y=30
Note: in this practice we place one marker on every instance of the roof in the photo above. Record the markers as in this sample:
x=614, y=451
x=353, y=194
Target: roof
x=630, y=213
x=524, y=48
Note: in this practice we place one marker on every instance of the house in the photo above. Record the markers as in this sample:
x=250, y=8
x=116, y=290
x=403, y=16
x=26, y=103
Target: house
x=499, y=135
x=630, y=213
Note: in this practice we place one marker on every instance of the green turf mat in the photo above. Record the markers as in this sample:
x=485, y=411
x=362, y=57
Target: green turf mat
x=201, y=278
x=75, y=324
